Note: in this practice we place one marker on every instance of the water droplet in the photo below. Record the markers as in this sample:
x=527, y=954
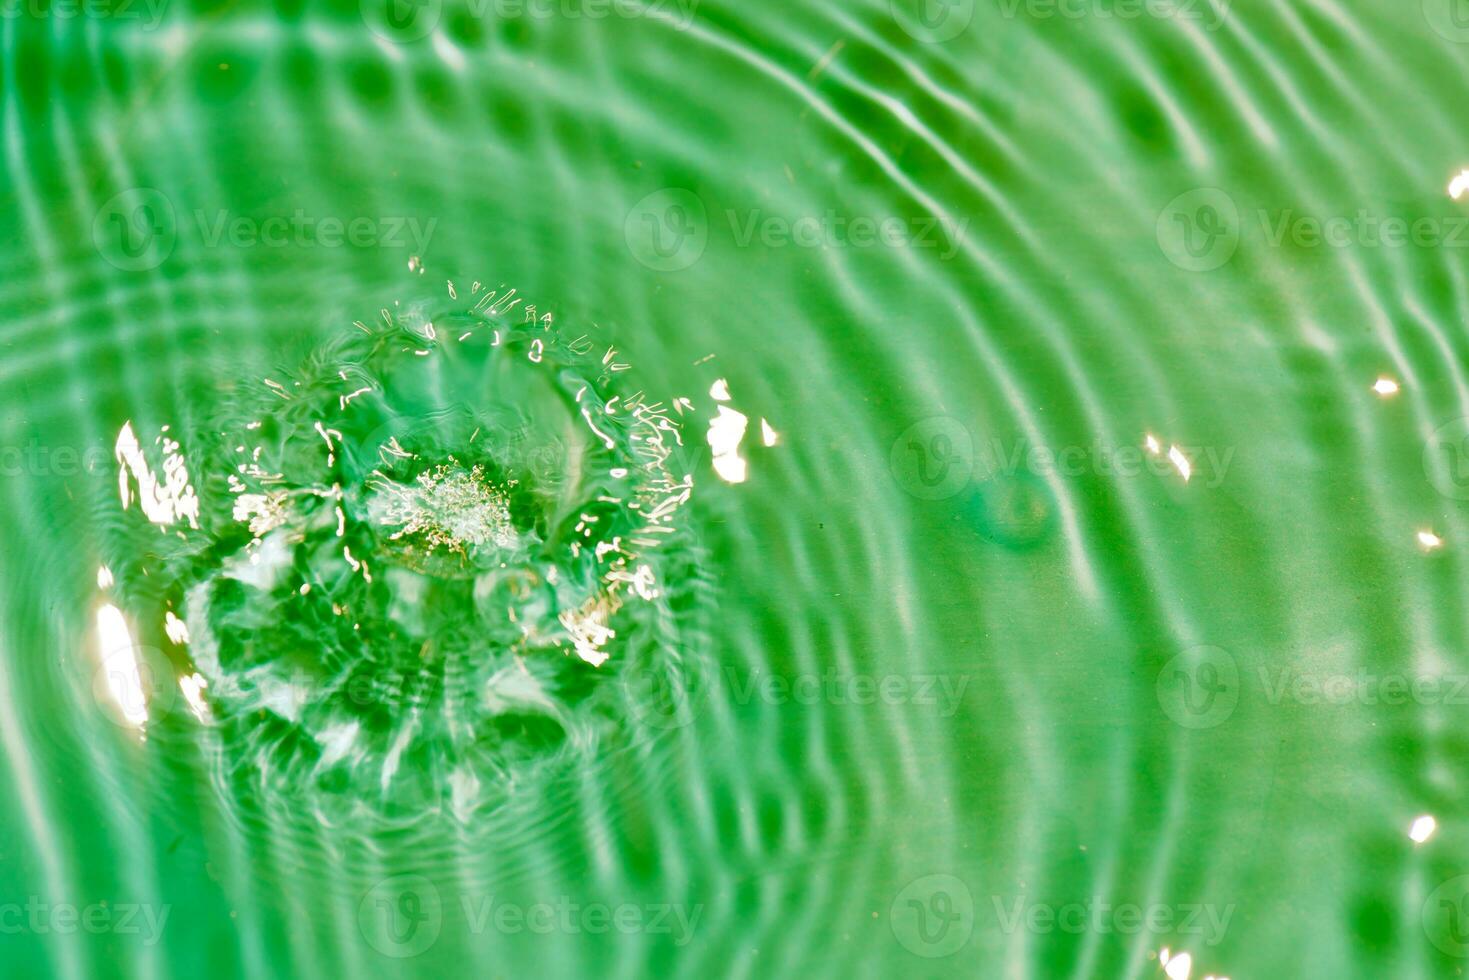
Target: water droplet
x=424, y=550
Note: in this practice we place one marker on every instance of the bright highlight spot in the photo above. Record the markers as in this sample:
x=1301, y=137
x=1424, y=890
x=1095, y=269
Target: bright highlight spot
x=166, y=501
x=177, y=629
x=1429, y=540
x=1422, y=829
x=1176, y=967
x=1459, y=185
x=1180, y=462
x=451, y=55
x=193, y=687
x=1386, y=387
x=719, y=390
x=768, y=435
x=725, y=432
x=119, y=660
x=587, y=627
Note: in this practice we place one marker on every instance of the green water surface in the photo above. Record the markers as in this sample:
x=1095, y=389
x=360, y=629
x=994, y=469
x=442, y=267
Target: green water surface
x=1082, y=599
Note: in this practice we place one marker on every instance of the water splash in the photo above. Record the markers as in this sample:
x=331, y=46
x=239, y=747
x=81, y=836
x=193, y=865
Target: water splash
x=416, y=565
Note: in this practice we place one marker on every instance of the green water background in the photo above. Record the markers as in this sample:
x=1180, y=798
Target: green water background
x=1119, y=634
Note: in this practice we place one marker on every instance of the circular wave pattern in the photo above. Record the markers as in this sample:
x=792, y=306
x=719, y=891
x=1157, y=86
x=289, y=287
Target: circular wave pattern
x=423, y=559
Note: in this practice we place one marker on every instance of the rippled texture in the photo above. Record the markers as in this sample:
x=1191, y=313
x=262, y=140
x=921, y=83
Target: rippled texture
x=1083, y=493
x=395, y=575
